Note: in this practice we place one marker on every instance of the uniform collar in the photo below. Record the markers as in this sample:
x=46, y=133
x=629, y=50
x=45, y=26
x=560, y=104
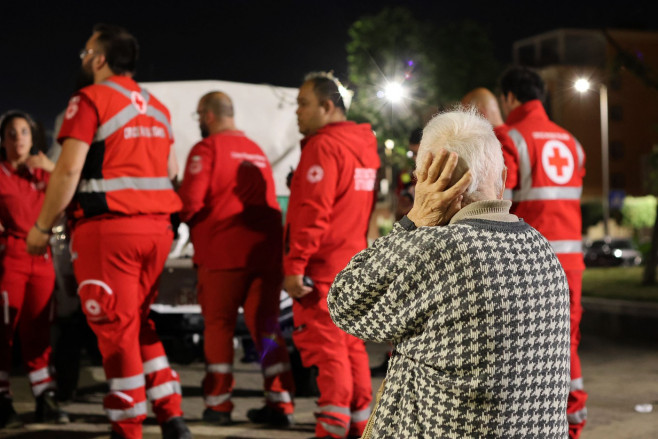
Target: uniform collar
x=533, y=109
x=327, y=127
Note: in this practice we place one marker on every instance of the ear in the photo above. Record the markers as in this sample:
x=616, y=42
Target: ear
x=98, y=62
x=503, y=177
x=328, y=106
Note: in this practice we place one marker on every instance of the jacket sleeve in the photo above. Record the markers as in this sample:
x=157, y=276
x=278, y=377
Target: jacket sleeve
x=381, y=294
x=314, y=185
x=196, y=180
x=511, y=158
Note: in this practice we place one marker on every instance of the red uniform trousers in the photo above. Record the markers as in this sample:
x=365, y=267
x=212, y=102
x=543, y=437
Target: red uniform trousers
x=343, y=366
x=117, y=262
x=576, y=410
x=220, y=294
x=26, y=291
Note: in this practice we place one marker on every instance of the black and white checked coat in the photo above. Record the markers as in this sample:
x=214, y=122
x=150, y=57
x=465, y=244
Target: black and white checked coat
x=478, y=312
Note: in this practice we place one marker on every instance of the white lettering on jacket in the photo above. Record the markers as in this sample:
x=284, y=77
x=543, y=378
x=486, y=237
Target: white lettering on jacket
x=364, y=179
x=256, y=159
x=140, y=131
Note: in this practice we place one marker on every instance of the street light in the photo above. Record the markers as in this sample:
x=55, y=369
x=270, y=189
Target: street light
x=582, y=85
x=393, y=91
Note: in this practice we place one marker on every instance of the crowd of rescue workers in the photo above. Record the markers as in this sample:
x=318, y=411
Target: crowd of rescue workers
x=112, y=187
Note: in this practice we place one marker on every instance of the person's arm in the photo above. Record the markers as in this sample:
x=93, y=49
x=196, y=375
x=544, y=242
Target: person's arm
x=511, y=159
x=172, y=166
x=314, y=184
x=377, y=296
x=61, y=188
x=196, y=181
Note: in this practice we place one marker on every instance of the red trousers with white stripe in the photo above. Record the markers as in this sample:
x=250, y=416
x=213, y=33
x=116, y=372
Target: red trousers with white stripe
x=117, y=262
x=26, y=291
x=343, y=366
x=220, y=294
x=576, y=410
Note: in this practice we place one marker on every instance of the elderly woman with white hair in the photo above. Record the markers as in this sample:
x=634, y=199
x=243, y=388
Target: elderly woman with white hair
x=473, y=299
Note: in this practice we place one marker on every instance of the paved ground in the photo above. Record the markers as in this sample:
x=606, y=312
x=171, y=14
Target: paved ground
x=617, y=375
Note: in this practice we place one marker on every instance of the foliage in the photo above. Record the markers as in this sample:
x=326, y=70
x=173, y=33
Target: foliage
x=618, y=283
x=639, y=212
x=436, y=63
x=592, y=213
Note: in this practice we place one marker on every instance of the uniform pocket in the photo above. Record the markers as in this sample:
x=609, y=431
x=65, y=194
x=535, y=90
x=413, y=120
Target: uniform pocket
x=98, y=301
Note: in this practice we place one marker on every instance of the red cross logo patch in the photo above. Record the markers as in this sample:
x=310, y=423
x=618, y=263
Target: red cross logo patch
x=558, y=162
x=138, y=101
x=315, y=173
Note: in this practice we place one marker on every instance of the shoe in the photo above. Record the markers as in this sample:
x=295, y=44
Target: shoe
x=8, y=416
x=218, y=418
x=175, y=428
x=268, y=415
x=48, y=409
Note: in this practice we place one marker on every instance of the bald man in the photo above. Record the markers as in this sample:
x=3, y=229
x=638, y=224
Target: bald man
x=230, y=204
x=487, y=104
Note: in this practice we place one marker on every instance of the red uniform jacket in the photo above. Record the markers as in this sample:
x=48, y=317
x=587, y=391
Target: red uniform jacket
x=21, y=196
x=332, y=195
x=130, y=135
x=545, y=167
x=229, y=201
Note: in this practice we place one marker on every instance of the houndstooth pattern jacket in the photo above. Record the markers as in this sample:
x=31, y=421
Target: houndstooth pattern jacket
x=478, y=311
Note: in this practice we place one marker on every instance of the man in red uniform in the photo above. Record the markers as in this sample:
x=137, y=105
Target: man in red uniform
x=116, y=140
x=545, y=170
x=230, y=203
x=331, y=199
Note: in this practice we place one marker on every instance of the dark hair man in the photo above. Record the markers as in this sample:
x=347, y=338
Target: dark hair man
x=229, y=201
x=116, y=140
x=545, y=166
x=331, y=199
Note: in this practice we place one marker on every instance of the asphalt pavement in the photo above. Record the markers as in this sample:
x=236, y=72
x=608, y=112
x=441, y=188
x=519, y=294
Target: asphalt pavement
x=618, y=376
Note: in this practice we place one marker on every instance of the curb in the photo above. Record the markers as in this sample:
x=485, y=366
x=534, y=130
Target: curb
x=620, y=319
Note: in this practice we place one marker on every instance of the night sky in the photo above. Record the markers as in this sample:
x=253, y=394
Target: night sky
x=273, y=42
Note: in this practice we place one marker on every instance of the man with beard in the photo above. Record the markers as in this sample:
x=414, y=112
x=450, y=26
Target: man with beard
x=331, y=198
x=116, y=140
x=235, y=221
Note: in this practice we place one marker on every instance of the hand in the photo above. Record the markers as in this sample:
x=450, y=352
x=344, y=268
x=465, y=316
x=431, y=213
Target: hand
x=37, y=242
x=40, y=161
x=295, y=287
x=436, y=202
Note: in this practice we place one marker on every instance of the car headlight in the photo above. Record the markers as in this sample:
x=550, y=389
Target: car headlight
x=617, y=253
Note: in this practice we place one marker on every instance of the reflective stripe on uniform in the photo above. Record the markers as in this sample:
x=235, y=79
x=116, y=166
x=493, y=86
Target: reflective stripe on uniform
x=576, y=384
x=160, y=117
x=121, y=183
x=166, y=389
x=219, y=368
x=334, y=429
x=138, y=409
x=39, y=375
x=278, y=397
x=335, y=409
x=567, y=246
x=525, y=170
x=213, y=400
x=100, y=283
x=581, y=153
x=38, y=389
x=116, y=122
x=548, y=193
x=156, y=364
x=128, y=383
x=577, y=417
x=361, y=415
x=508, y=194
x=276, y=369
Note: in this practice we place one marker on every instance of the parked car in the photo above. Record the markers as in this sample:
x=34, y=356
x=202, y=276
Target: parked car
x=612, y=252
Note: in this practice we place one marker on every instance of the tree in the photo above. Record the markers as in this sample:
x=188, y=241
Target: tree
x=436, y=63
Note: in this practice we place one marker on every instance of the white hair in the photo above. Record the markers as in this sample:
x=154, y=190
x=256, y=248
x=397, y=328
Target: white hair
x=471, y=136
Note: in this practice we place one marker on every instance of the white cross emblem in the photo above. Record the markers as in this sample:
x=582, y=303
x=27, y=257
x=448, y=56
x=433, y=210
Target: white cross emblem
x=315, y=173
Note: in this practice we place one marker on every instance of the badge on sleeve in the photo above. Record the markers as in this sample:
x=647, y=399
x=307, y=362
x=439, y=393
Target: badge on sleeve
x=72, y=109
x=195, y=165
x=315, y=173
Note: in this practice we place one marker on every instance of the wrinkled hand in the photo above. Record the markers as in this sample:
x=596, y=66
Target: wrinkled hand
x=40, y=161
x=436, y=202
x=295, y=287
x=37, y=242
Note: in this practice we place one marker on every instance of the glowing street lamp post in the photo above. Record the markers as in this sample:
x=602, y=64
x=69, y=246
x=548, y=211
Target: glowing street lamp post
x=582, y=85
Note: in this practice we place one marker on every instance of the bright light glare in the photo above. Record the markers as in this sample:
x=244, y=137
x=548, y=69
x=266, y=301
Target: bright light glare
x=389, y=143
x=394, y=91
x=582, y=85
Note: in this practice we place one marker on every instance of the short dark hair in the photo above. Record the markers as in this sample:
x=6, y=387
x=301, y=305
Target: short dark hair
x=524, y=83
x=325, y=87
x=8, y=117
x=119, y=47
x=416, y=136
